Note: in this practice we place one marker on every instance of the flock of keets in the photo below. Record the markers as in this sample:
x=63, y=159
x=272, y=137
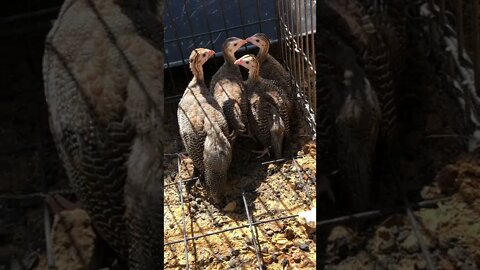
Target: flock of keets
x=212, y=117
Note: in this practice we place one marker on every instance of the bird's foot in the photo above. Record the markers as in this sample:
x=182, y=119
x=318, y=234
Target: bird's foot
x=262, y=153
x=182, y=156
x=233, y=136
x=58, y=204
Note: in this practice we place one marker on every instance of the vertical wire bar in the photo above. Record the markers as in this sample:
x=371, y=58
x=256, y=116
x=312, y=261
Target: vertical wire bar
x=209, y=29
x=190, y=26
x=292, y=42
x=252, y=231
x=311, y=177
x=312, y=56
x=281, y=29
x=289, y=40
x=423, y=247
x=306, y=57
x=222, y=6
x=48, y=238
x=300, y=50
x=258, y=16
x=278, y=23
x=180, y=193
x=476, y=43
x=177, y=40
x=300, y=176
x=306, y=50
x=298, y=30
x=240, y=10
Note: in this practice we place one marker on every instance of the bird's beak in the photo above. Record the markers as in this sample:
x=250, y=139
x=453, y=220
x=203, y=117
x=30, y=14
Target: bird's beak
x=238, y=62
x=249, y=39
x=243, y=42
x=211, y=52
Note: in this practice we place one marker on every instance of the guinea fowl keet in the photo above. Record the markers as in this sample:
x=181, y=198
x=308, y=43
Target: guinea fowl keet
x=204, y=129
x=271, y=69
x=106, y=119
x=268, y=114
x=227, y=88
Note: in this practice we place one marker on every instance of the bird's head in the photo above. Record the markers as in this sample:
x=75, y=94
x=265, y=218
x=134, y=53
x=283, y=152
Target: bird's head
x=232, y=44
x=200, y=56
x=260, y=40
x=248, y=61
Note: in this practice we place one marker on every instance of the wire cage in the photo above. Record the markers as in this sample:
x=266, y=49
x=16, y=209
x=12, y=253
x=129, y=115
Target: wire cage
x=200, y=23
x=297, y=27
x=191, y=24
x=445, y=34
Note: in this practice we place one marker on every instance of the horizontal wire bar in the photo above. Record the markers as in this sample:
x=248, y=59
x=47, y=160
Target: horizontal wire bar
x=382, y=212
x=279, y=160
x=36, y=194
x=27, y=15
x=231, y=229
x=184, y=181
x=244, y=48
x=217, y=31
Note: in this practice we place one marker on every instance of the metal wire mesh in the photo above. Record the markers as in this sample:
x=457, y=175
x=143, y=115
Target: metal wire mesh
x=201, y=23
x=251, y=223
x=453, y=26
x=296, y=27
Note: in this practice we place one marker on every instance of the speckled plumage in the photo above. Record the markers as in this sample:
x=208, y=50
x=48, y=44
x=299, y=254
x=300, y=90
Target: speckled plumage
x=103, y=75
x=348, y=111
x=204, y=129
x=271, y=69
x=227, y=88
x=268, y=113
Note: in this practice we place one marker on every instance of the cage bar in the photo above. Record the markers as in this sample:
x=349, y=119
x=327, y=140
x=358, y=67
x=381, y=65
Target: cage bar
x=296, y=23
x=252, y=231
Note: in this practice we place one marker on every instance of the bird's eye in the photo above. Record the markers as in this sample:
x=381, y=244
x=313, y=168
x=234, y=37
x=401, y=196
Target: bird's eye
x=247, y=62
x=258, y=40
x=204, y=54
x=235, y=44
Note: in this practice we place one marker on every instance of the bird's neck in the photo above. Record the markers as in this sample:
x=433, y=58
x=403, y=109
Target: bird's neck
x=253, y=74
x=229, y=58
x=262, y=53
x=197, y=71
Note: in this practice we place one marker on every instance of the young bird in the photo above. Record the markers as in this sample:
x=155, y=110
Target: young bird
x=271, y=69
x=268, y=114
x=203, y=128
x=227, y=88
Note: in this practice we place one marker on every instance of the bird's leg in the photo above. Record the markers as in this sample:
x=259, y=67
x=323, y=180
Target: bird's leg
x=262, y=153
x=232, y=136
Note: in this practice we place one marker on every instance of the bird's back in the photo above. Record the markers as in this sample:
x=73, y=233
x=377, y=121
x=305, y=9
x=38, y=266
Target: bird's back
x=227, y=88
x=271, y=69
x=98, y=109
x=196, y=107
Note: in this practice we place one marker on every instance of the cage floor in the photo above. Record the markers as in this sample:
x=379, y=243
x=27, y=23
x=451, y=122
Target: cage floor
x=272, y=190
x=450, y=230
